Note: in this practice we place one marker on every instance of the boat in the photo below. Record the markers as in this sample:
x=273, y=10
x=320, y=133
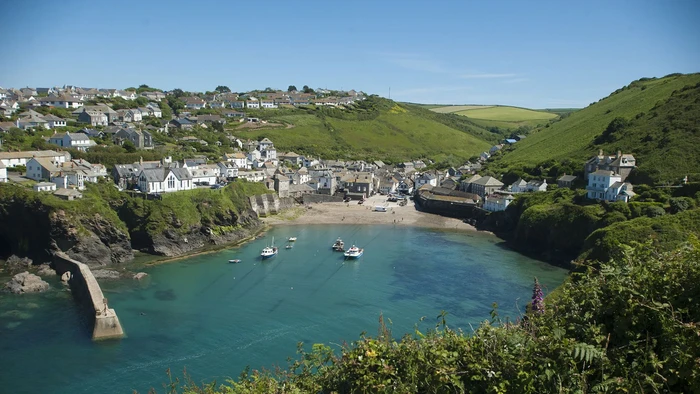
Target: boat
x=354, y=252
x=289, y=246
x=338, y=246
x=292, y=239
x=235, y=261
x=269, y=251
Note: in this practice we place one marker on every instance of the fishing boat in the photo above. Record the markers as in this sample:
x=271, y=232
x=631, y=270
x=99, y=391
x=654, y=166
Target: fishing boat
x=234, y=261
x=338, y=246
x=292, y=239
x=269, y=251
x=354, y=252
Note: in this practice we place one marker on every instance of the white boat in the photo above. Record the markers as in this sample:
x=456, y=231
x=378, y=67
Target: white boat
x=292, y=239
x=235, y=261
x=289, y=246
x=354, y=252
x=338, y=246
x=269, y=251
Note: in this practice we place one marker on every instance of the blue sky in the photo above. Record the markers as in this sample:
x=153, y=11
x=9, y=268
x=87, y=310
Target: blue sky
x=527, y=53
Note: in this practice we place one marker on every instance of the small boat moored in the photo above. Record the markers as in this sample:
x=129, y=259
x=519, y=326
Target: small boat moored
x=289, y=246
x=338, y=246
x=354, y=252
x=269, y=251
x=234, y=261
x=292, y=239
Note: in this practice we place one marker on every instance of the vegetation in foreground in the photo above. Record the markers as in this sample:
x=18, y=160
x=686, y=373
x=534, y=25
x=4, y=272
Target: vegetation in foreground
x=626, y=325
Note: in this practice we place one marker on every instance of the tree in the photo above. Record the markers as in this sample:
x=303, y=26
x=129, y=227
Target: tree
x=129, y=146
x=307, y=89
x=291, y=88
x=178, y=93
x=222, y=89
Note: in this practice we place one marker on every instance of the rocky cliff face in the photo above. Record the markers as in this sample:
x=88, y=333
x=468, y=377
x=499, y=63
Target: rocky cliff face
x=229, y=228
x=97, y=242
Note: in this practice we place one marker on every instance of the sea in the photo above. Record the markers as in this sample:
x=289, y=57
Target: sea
x=213, y=318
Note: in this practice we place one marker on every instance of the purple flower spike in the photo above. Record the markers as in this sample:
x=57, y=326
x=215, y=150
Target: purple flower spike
x=537, y=298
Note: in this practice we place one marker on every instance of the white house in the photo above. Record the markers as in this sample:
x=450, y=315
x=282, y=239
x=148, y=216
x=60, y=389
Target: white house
x=254, y=155
x=252, y=103
x=194, y=103
x=13, y=159
x=620, y=191
x=497, y=202
x=252, y=176
x=519, y=186
x=62, y=102
x=600, y=185
x=3, y=173
x=426, y=179
x=54, y=121
x=44, y=187
x=238, y=158
x=205, y=174
x=164, y=180
x=228, y=169
x=268, y=104
x=303, y=175
x=77, y=141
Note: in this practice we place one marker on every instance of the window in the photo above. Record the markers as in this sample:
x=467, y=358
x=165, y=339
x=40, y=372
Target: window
x=171, y=182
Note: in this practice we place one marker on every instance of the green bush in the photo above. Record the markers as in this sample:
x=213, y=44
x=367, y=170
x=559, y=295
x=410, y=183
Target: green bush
x=680, y=204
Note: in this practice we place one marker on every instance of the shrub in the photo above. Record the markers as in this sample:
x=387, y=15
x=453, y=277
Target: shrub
x=679, y=204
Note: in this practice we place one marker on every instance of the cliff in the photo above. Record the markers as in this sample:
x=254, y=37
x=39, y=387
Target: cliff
x=38, y=224
x=106, y=225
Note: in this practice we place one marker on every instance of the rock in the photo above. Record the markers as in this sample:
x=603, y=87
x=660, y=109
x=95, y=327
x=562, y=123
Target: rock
x=16, y=264
x=26, y=283
x=140, y=275
x=105, y=274
x=45, y=270
x=65, y=277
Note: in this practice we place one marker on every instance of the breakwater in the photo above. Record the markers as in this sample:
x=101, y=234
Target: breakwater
x=89, y=294
x=450, y=203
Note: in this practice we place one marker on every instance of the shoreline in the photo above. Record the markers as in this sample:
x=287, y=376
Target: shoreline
x=353, y=213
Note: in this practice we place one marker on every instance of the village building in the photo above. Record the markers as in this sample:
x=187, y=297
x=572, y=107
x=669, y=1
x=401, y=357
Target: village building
x=497, y=202
x=608, y=185
x=77, y=141
x=621, y=164
x=164, y=180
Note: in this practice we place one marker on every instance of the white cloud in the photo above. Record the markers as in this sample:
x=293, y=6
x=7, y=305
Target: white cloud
x=486, y=76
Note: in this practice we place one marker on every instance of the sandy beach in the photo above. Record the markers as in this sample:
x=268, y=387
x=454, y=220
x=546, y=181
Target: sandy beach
x=354, y=213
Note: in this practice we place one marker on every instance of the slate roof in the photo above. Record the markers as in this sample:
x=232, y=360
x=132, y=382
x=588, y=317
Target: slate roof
x=567, y=178
x=488, y=181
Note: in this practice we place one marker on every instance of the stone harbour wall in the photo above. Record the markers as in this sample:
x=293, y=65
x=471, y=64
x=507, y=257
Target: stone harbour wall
x=89, y=294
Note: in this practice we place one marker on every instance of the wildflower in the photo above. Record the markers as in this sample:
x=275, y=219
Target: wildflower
x=537, y=298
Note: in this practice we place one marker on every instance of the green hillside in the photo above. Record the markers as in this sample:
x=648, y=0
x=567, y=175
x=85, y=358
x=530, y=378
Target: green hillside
x=374, y=128
x=656, y=121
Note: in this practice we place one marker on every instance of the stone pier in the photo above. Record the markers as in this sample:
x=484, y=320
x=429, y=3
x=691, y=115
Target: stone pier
x=88, y=292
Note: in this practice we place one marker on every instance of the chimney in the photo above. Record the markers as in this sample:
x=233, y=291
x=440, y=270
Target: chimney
x=600, y=152
x=619, y=154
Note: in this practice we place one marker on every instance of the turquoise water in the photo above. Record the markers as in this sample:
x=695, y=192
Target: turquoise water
x=215, y=318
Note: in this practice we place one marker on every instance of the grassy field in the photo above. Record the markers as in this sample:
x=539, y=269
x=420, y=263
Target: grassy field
x=456, y=108
x=506, y=114
x=502, y=117
x=659, y=126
